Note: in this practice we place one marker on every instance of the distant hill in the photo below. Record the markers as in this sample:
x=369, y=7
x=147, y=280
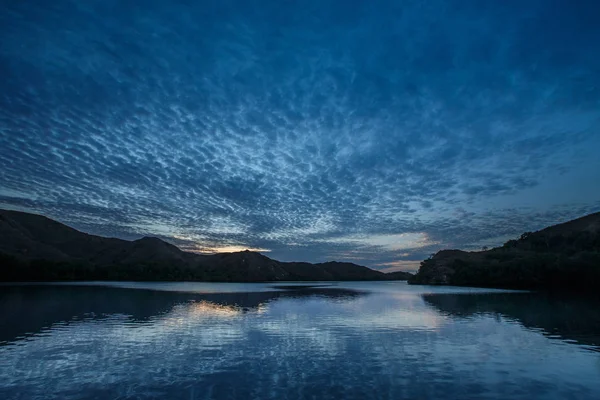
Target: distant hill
x=399, y=276
x=36, y=248
x=564, y=256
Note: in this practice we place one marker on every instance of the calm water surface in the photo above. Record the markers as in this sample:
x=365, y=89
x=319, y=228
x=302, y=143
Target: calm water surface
x=380, y=340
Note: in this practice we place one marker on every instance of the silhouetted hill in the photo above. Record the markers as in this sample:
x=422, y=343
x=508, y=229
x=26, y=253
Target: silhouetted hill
x=331, y=271
x=399, y=275
x=33, y=247
x=564, y=256
x=245, y=266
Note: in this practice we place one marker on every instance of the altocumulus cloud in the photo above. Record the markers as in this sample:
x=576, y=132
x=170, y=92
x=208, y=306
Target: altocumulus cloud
x=375, y=132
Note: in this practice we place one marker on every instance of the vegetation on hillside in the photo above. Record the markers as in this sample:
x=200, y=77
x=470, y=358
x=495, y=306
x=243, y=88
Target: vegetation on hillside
x=565, y=256
x=13, y=269
x=36, y=248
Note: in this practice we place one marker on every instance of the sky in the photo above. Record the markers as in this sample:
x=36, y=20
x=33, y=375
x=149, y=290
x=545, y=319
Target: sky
x=375, y=132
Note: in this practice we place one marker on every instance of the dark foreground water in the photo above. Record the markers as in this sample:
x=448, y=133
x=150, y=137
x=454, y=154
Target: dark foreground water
x=381, y=340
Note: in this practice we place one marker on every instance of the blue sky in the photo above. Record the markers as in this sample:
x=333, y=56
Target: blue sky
x=375, y=132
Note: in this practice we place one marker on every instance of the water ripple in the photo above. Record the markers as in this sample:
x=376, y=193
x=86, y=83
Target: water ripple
x=293, y=344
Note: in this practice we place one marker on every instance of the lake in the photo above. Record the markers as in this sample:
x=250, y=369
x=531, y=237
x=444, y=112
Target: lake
x=345, y=340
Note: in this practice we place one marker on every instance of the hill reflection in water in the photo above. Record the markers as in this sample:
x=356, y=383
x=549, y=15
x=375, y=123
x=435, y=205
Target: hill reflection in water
x=359, y=340
x=34, y=308
x=557, y=316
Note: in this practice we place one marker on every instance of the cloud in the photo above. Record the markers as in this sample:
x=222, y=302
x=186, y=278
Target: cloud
x=402, y=241
x=221, y=249
x=289, y=127
x=408, y=266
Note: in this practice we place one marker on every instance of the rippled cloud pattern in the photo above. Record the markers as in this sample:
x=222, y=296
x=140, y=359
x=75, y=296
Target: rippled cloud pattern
x=368, y=131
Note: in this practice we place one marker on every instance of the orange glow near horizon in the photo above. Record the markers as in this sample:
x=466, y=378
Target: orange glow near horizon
x=221, y=249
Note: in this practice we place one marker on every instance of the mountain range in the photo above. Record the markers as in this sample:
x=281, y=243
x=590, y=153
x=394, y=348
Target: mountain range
x=37, y=248
x=563, y=256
